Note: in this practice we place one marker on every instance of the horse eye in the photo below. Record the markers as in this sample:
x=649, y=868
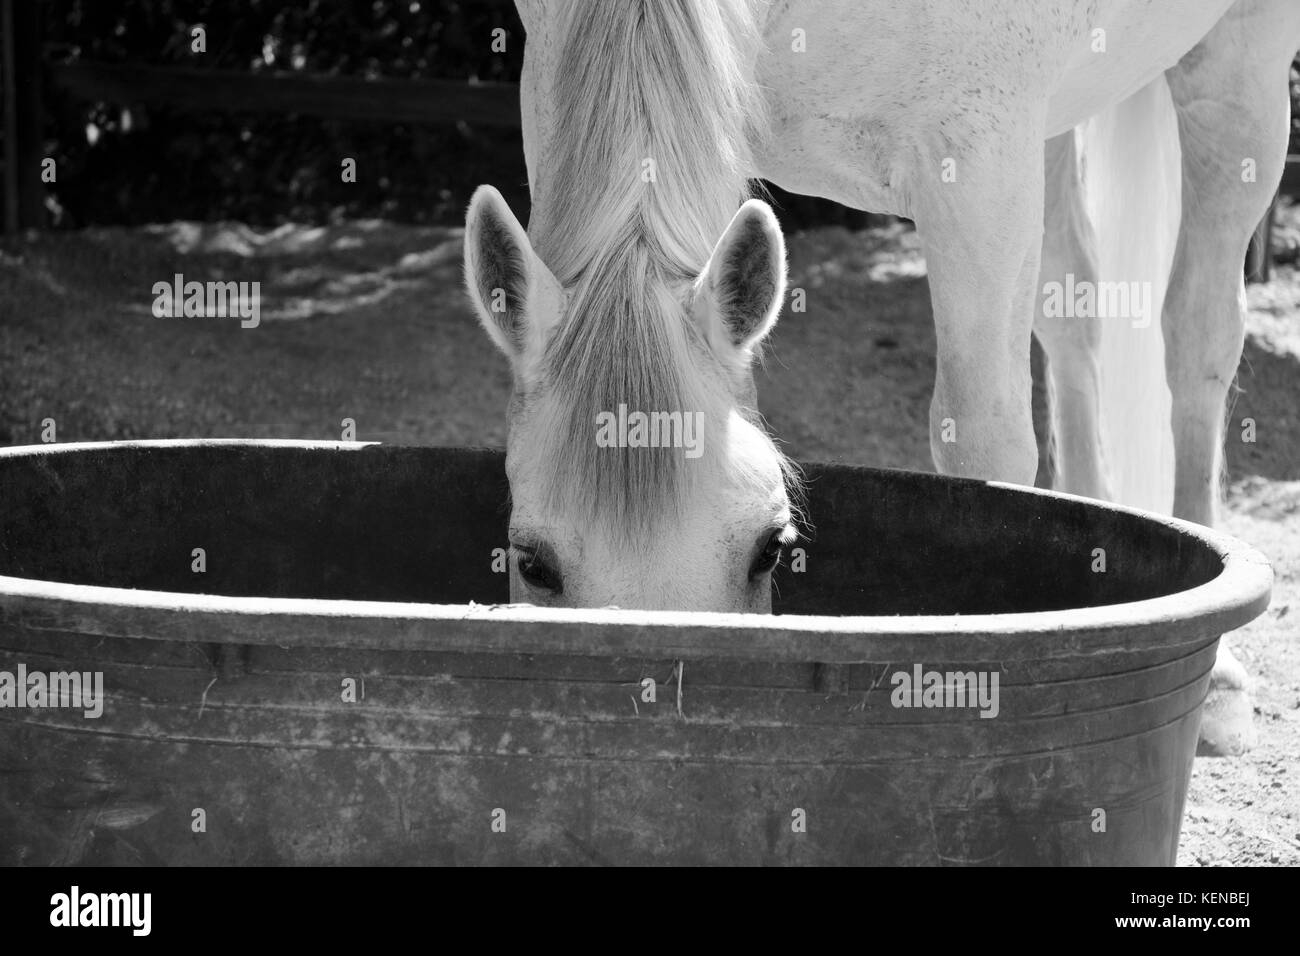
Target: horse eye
x=535, y=571
x=770, y=556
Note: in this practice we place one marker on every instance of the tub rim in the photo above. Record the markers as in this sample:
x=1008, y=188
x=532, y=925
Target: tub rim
x=1239, y=593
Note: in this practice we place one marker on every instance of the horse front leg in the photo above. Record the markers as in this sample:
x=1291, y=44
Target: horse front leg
x=1231, y=96
x=979, y=213
x=1230, y=93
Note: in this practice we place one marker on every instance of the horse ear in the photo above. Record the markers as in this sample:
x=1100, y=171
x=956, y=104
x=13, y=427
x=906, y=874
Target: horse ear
x=742, y=286
x=517, y=298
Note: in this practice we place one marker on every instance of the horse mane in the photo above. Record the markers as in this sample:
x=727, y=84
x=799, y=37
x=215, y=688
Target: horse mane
x=655, y=108
x=668, y=81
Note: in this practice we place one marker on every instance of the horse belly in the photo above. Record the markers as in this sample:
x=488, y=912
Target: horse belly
x=859, y=89
x=1142, y=39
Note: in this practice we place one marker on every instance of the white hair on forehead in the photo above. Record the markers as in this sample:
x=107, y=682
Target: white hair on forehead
x=669, y=82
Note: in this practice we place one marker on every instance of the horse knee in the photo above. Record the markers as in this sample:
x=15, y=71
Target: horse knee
x=990, y=436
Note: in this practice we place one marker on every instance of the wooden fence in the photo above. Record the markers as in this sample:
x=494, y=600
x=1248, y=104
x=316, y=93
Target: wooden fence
x=27, y=77
x=327, y=97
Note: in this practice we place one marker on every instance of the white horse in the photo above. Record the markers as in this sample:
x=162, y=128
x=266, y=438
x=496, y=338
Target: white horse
x=1089, y=172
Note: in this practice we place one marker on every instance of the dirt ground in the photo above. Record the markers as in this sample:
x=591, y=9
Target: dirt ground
x=366, y=321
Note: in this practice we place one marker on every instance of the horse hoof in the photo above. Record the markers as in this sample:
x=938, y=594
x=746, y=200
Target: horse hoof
x=1227, y=719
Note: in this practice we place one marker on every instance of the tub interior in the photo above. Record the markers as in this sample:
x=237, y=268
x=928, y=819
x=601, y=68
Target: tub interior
x=420, y=524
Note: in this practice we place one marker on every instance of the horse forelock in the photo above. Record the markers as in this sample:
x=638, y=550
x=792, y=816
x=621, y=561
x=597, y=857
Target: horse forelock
x=631, y=342
x=626, y=343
